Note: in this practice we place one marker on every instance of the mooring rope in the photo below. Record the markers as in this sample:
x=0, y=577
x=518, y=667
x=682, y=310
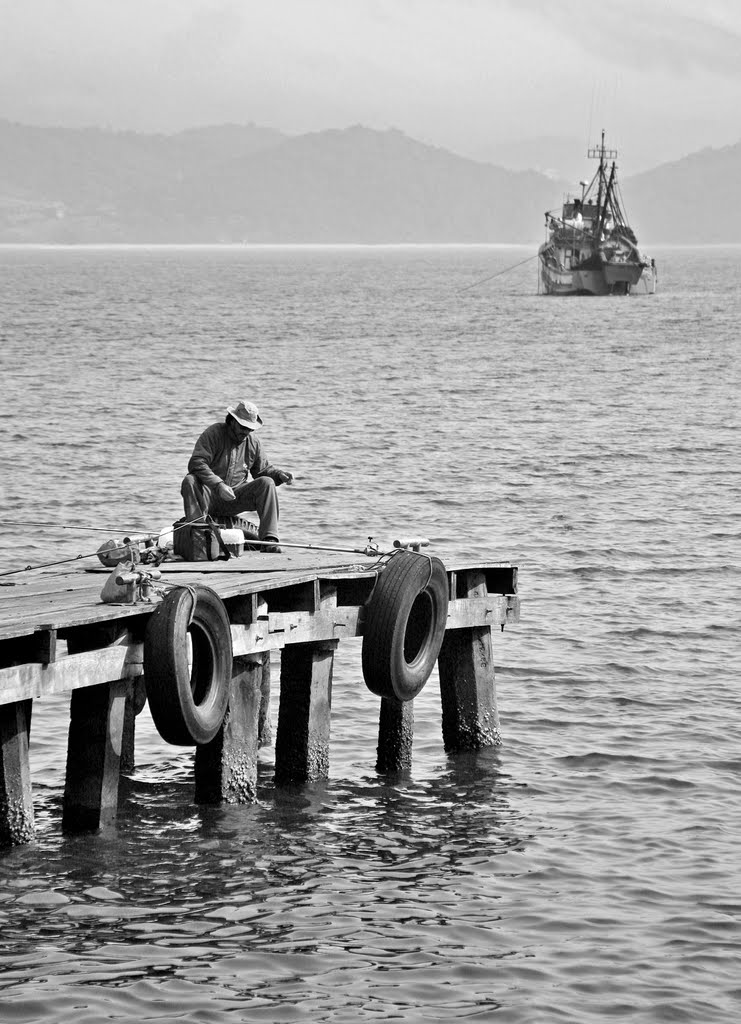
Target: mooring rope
x=499, y=273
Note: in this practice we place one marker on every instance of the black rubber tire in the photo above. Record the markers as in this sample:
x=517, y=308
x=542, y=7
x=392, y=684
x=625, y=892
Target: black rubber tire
x=404, y=625
x=188, y=704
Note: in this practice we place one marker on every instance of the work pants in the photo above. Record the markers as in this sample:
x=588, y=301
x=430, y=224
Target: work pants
x=258, y=495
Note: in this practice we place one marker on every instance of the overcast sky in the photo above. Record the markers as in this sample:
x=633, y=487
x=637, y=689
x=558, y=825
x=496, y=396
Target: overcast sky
x=662, y=76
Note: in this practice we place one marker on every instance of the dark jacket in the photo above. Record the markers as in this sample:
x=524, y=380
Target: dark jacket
x=216, y=458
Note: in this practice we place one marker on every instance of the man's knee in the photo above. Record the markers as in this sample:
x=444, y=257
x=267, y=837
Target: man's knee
x=263, y=485
x=195, y=496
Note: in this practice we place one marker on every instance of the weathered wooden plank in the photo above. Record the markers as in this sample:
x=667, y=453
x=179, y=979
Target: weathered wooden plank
x=12, y=632
x=73, y=672
x=272, y=631
x=48, y=583
x=261, y=563
x=34, y=606
x=72, y=600
x=65, y=600
x=65, y=609
x=489, y=610
x=279, y=629
x=63, y=615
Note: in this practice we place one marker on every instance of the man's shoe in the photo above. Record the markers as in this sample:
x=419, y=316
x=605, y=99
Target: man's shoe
x=273, y=548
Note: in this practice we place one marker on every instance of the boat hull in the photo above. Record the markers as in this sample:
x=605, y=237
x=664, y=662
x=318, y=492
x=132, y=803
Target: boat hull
x=603, y=279
x=647, y=283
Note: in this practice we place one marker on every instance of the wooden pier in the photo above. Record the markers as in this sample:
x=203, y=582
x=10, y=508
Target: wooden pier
x=56, y=635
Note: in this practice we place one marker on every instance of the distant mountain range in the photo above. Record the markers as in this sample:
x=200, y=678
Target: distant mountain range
x=245, y=183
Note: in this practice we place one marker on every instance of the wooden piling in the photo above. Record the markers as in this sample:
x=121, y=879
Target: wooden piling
x=265, y=727
x=136, y=698
x=16, y=802
x=226, y=768
x=395, y=735
x=467, y=690
x=94, y=756
x=470, y=719
x=302, y=741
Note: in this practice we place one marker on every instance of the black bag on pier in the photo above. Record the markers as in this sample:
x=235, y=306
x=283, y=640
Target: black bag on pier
x=198, y=542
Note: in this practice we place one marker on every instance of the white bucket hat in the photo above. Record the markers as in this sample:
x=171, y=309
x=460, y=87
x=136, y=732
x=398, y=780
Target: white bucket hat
x=246, y=413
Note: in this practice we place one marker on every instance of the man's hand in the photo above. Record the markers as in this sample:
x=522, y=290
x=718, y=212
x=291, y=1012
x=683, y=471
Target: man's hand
x=225, y=492
x=283, y=477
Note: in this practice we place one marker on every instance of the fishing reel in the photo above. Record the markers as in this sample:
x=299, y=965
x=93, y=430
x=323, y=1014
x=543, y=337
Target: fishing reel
x=143, y=549
x=130, y=584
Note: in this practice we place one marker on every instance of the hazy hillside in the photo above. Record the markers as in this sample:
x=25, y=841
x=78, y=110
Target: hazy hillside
x=693, y=200
x=244, y=183
x=366, y=186
x=90, y=185
x=233, y=184
x=559, y=158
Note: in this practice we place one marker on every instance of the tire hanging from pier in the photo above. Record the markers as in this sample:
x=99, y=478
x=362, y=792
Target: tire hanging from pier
x=405, y=625
x=187, y=665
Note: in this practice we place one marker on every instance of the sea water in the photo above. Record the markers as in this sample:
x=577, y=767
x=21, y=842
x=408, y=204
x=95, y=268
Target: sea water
x=585, y=870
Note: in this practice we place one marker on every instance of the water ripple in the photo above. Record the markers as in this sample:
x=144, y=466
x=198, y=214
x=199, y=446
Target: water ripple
x=582, y=871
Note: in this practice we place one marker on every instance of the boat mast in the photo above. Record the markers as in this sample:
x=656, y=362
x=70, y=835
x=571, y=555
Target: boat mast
x=608, y=191
x=601, y=154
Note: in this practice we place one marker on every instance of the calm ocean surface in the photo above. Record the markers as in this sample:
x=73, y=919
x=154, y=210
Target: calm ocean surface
x=586, y=870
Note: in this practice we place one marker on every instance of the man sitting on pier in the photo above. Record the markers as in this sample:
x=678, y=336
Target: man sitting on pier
x=218, y=473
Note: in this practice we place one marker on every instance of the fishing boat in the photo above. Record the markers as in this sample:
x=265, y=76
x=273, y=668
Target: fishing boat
x=590, y=249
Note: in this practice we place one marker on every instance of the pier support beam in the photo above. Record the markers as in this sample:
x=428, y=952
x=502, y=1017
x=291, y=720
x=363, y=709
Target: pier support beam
x=395, y=735
x=226, y=768
x=265, y=729
x=94, y=756
x=302, y=741
x=467, y=687
x=467, y=690
x=16, y=801
x=136, y=698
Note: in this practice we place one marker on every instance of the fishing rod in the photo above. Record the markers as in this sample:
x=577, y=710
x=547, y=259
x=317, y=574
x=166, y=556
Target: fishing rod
x=127, y=542
x=62, y=526
x=371, y=549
